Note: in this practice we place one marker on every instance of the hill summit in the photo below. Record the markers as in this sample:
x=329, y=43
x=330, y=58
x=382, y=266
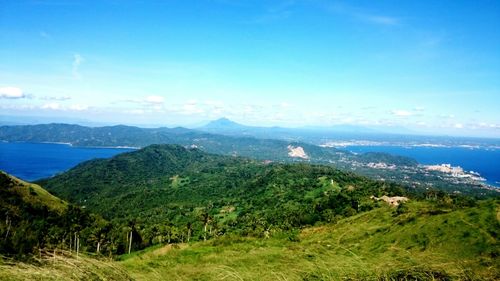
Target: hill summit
x=223, y=123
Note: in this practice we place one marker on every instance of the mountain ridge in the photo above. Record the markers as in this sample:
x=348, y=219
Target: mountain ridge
x=397, y=168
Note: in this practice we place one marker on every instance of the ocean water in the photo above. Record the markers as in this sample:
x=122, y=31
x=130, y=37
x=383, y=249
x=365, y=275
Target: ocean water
x=32, y=161
x=482, y=160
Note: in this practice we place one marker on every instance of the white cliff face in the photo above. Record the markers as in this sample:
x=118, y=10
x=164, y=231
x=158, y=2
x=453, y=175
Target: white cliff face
x=393, y=201
x=297, y=152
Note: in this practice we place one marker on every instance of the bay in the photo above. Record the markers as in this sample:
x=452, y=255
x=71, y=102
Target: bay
x=33, y=161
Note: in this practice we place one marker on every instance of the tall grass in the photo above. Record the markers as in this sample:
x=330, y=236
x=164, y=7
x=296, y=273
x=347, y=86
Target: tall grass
x=61, y=265
x=419, y=244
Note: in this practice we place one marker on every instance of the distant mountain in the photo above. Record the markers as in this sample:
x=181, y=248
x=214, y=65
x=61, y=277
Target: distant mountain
x=309, y=134
x=223, y=123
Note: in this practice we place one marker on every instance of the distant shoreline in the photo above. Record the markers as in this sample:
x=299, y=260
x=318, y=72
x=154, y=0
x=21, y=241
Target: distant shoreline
x=70, y=144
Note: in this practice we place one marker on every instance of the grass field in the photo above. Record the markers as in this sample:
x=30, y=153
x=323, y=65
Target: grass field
x=62, y=266
x=423, y=243
x=420, y=242
x=34, y=194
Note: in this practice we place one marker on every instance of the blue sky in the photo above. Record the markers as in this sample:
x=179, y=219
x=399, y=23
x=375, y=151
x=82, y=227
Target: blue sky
x=430, y=66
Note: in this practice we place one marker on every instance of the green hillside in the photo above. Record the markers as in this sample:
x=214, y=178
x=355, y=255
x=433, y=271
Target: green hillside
x=32, y=220
x=421, y=241
x=170, y=191
x=27, y=214
x=31, y=194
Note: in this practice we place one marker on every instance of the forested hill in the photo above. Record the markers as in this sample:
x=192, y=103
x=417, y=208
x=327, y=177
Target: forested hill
x=164, y=184
x=402, y=170
x=270, y=149
x=31, y=217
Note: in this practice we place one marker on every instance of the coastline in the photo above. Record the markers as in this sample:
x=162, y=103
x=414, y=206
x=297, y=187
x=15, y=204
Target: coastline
x=72, y=145
x=482, y=161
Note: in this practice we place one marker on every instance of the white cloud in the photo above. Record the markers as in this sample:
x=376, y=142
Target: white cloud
x=58, y=98
x=214, y=108
x=382, y=20
x=484, y=125
x=77, y=61
x=361, y=15
x=285, y=105
x=155, y=99
x=447, y=116
x=458, y=126
x=78, y=107
x=135, y=111
x=192, y=102
x=419, y=108
x=401, y=113
x=11, y=93
x=51, y=106
x=191, y=107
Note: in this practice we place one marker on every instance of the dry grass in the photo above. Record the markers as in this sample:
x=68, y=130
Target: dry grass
x=61, y=266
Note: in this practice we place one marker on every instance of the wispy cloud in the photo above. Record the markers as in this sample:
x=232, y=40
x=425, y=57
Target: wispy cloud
x=77, y=61
x=78, y=107
x=55, y=106
x=44, y=34
x=276, y=12
x=55, y=98
x=382, y=20
x=362, y=15
x=401, y=113
x=485, y=125
x=191, y=107
x=52, y=106
x=154, y=99
x=12, y=93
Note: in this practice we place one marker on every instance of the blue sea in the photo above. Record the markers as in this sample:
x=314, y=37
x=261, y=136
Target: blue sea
x=32, y=161
x=485, y=161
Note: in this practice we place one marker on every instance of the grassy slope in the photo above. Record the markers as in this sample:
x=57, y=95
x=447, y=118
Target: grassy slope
x=425, y=243
x=31, y=193
x=62, y=267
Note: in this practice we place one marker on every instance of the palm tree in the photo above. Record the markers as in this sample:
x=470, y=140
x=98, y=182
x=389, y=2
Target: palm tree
x=206, y=219
x=130, y=237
